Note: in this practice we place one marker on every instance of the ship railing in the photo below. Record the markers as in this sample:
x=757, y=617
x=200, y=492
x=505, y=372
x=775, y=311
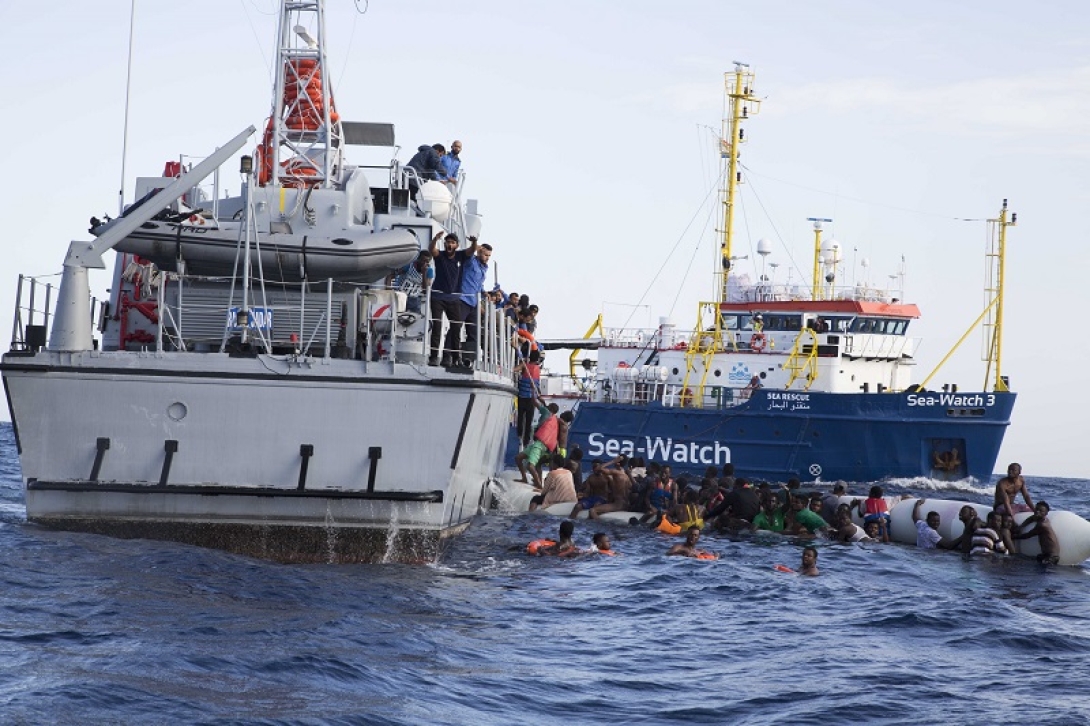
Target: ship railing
x=706, y=397
x=34, y=301
x=671, y=395
x=651, y=338
x=497, y=342
x=766, y=292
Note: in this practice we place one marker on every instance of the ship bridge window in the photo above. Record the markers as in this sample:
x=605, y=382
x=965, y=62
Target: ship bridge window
x=783, y=322
x=730, y=322
x=880, y=326
x=838, y=325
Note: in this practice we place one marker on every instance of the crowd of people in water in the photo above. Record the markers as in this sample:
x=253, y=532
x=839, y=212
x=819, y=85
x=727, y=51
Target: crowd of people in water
x=725, y=503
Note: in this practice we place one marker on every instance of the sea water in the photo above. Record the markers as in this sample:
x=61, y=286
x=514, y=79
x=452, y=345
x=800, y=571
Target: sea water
x=96, y=630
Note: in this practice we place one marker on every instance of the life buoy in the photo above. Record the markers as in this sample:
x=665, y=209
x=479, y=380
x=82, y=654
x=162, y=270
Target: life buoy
x=757, y=342
x=668, y=527
x=529, y=337
x=537, y=544
x=686, y=398
x=706, y=556
x=783, y=568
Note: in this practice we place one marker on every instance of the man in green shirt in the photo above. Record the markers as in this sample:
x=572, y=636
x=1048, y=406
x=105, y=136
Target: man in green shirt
x=800, y=520
x=770, y=517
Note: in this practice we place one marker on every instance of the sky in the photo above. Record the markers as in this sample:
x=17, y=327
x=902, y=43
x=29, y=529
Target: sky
x=589, y=139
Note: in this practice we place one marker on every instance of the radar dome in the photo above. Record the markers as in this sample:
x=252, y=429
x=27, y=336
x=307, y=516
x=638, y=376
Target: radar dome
x=831, y=252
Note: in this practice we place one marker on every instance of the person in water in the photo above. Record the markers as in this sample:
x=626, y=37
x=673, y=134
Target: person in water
x=809, y=562
x=969, y=519
x=1009, y=487
x=601, y=544
x=564, y=546
x=1042, y=530
x=800, y=520
x=688, y=548
x=845, y=530
x=771, y=516
x=927, y=530
x=877, y=530
x=987, y=540
x=875, y=507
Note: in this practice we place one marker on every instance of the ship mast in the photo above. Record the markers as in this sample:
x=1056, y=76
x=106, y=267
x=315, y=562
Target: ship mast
x=304, y=139
x=741, y=104
x=997, y=271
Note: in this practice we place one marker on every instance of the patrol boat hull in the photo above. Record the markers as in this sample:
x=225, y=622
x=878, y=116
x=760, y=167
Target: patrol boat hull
x=297, y=463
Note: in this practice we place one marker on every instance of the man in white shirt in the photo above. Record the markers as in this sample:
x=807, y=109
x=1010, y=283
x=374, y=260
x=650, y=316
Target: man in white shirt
x=927, y=530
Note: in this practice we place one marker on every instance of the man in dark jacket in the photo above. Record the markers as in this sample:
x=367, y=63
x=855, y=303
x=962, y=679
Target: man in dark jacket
x=445, y=297
x=738, y=508
x=428, y=165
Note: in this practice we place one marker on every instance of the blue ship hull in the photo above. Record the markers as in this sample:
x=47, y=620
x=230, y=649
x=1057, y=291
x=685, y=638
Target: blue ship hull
x=777, y=435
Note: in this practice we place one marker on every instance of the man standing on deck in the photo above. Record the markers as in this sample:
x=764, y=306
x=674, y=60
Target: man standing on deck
x=444, y=296
x=474, y=272
x=451, y=163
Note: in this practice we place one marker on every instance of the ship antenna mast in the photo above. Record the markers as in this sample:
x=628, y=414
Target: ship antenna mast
x=995, y=289
x=741, y=104
x=303, y=141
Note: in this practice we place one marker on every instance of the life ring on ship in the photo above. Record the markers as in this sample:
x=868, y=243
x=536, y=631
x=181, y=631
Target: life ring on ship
x=528, y=337
x=757, y=342
x=686, y=398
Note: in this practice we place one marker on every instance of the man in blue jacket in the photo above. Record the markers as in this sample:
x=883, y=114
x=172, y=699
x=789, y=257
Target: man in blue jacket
x=428, y=163
x=474, y=272
x=451, y=163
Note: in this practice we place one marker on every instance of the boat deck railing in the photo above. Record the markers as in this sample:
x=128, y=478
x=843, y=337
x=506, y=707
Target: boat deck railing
x=34, y=301
x=671, y=395
x=855, y=345
x=767, y=292
x=164, y=311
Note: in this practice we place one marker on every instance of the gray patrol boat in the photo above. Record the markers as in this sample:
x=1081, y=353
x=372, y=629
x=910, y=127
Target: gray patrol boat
x=254, y=382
